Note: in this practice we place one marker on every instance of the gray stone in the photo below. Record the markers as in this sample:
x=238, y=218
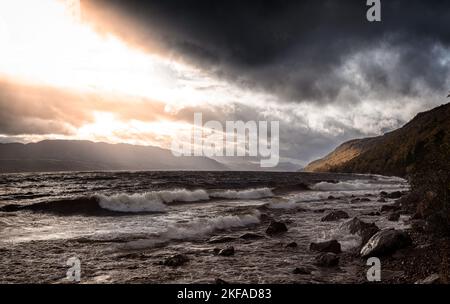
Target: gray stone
x=335, y=215
x=176, y=260
x=276, y=228
x=385, y=242
x=328, y=246
x=229, y=251
x=327, y=259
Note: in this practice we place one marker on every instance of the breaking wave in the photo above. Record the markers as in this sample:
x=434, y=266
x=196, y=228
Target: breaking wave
x=156, y=201
x=244, y=194
x=197, y=229
x=358, y=185
x=150, y=201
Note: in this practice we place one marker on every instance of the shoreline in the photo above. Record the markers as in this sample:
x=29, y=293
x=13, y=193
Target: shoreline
x=256, y=258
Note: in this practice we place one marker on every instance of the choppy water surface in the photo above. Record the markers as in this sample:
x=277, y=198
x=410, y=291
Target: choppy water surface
x=160, y=213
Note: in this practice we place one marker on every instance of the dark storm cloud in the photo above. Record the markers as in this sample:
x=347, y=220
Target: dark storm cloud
x=296, y=49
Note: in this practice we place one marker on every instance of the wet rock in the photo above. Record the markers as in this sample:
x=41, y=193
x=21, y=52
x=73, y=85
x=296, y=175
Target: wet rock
x=365, y=199
x=388, y=208
x=292, y=245
x=394, y=216
x=229, y=251
x=418, y=225
x=220, y=239
x=331, y=197
x=383, y=193
x=220, y=282
x=301, y=270
x=335, y=215
x=276, y=228
x=328, y=246
x=385, y=242
x=431, y=279
x=251, y=236
x=374, y=213
x=327, y=259
x=319, y=210
x=382, y=200
x=363, y=229
x=355, y=200
x=176, y=260
x=395, y=194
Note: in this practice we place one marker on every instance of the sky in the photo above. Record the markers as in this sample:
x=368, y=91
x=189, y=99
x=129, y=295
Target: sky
x=136, y=71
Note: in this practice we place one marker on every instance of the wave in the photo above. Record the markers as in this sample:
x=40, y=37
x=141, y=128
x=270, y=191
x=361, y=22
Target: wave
x=72, y=206
x=357, y=185
x=147, y=202
x=197, y=229
x=150, y=201
x=243, y=194
x=153, y=201
x=283, y=205
x=156, y=201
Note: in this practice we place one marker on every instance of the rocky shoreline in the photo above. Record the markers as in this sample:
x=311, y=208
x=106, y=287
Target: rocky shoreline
x=266, y=253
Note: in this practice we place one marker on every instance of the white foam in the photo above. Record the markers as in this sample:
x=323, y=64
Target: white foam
x=197, y=229
x=146, y=202
x=150, y=201
x=182, y=195
x=244, y=194
x=155, y=201
x=283, y=205
x=356, y=185
x=347, y=240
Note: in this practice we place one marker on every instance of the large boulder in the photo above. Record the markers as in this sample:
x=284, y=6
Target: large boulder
x=276, y=228
x=361, y=228
x=328, y=246
x=327, y=259
x=385, y=242
x=335, y=215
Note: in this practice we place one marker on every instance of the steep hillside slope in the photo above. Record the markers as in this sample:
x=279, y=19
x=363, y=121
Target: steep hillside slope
x=394, y=153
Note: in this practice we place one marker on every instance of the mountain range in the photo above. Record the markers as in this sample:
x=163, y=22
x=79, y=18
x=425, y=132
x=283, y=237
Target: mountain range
x=78, y=155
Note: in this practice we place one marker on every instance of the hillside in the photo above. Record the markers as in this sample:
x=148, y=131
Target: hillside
x=73, y=155
x=393, y=153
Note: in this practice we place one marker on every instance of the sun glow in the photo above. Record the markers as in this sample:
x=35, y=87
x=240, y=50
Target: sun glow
x=42, y=42
x=108, y=128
